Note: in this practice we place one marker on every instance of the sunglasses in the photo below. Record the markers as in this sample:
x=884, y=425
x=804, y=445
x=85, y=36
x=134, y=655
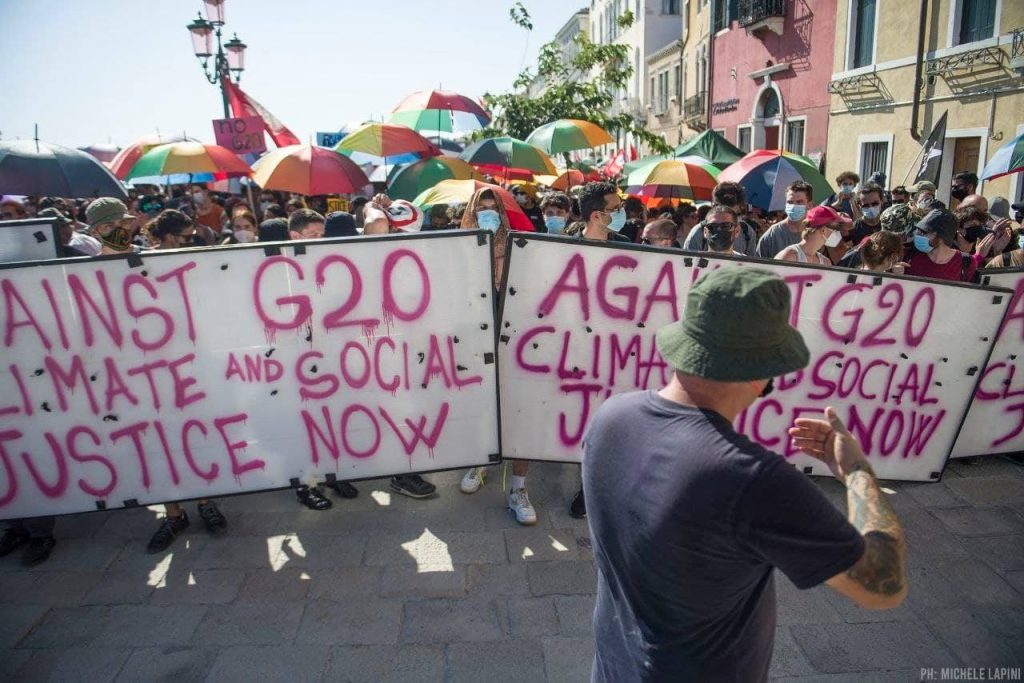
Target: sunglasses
x=716, y=227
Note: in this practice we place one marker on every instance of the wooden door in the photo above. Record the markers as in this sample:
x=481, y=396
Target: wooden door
x=771, y=137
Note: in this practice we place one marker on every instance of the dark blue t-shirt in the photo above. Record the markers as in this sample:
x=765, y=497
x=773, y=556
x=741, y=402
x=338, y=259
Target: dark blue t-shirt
x=688, y=519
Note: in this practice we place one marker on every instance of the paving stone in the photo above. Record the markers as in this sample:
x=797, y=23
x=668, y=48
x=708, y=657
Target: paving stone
x=345, y=583
x=199, y=587
x=60, y=589
x=250, y=663
x=852, y=613
x=541, y=545
x=502, y=661
x=252, y=523
x=288, y=584
x=836, y=648
x=532, y=617
x=85, y=664
x=170, y=664
x=498, y=517
x=932, y=494
x=385, y=664
x=989, y=490
x=269, y=501
x=12, y=660
x=400, y=581
x=121, y=588
x=1002, y=553
x=61, y=627
x=149, y=625
x=562, y=578
x=928, y=537
x=976, y=584
x=15, y=585
x=17, y=621
x=321, y=552
x=971, y=521
x=132, y=525
x=368, y=621
x=990, y=466
x=443, y=621
x=233, y=552
x=575, y=614
x=899, y=676
x=969, y=638
x=183, y=554
x=1015, y=579
x=795, y=606
x=86, y=525
x=494, y=580
x=787, y=658
x=249, y=624
x=80, y=554
x=436, y=552
x=568, y=659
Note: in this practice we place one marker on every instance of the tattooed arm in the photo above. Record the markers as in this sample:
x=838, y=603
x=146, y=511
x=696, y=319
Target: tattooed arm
x=879, y=579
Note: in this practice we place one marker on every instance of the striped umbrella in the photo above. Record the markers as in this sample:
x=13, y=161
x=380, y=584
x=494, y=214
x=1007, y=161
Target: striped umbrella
x=385, y=140
x=509, y=153
x=189, y=157
x=439, y=110
x=567, y=135
x=411, y=180
x=126, y=158
x=692, y=179
x=460, y=192
x=766, y=173
x=308, y=170
x=1008, y=159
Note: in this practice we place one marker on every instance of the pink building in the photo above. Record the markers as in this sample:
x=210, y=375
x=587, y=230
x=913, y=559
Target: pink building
x=771, y=66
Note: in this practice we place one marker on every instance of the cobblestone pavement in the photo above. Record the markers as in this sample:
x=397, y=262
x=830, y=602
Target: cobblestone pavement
x=384, y=588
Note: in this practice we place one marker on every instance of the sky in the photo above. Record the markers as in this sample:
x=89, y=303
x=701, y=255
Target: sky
x=99, y=71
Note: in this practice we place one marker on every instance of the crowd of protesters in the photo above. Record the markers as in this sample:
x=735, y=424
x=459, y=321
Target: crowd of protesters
x=902, y=230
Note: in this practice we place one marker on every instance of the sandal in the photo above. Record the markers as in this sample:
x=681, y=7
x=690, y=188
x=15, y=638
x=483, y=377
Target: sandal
x=311, y=498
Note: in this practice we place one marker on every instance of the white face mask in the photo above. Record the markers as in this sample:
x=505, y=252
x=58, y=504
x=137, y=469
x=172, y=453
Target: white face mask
x=244, y=236
x=833, y=239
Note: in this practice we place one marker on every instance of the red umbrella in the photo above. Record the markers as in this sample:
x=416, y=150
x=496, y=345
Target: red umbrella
x=308, y=170
x=460, y=192
x=127, y=157
x=385, y=139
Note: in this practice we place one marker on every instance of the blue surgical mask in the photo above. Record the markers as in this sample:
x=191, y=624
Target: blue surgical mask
x=618, y=220
x=872, y=212
x=796, y=212
x=847, y=188
x=488, y=219
x=922, y=244
x=554, y=223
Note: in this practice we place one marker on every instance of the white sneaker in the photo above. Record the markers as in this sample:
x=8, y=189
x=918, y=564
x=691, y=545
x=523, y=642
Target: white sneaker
x=519, y=503
x=473, y=480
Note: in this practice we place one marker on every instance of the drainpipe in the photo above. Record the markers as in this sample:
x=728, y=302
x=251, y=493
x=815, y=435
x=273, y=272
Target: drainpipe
x=918, y=70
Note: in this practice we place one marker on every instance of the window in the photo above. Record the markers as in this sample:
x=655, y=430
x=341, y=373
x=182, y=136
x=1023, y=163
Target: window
x=686, y=19
x=670, y=6
x=654, y=94
x=977, y=20
x=677, y=81
x=862, y=33
x=743, y=138
x=720, y=15
x=874, y=156
x=795, y=136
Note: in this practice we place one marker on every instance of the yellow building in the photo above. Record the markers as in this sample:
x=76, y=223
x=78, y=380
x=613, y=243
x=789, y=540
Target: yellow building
x=967, y=56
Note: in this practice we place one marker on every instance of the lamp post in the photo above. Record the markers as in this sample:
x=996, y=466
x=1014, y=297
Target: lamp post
x=228, y=59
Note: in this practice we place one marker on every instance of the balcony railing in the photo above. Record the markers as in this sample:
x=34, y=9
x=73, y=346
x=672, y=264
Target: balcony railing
x=1017, y=49
x=695, y=106
x=753, y=11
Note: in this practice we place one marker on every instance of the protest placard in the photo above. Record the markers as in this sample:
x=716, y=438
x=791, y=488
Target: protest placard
x=195, y=373
x=33, y=239
x=242, y=135
x=898, y=358
x=328, y=139
x=995, y=421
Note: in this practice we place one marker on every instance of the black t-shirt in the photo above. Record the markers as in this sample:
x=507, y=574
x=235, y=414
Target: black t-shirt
x=633, y=230
x=688, y=520
x=861, y=230
x=536, y=217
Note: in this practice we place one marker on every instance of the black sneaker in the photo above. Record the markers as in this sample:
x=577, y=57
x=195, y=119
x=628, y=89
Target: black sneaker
x=212, y=517
x=164, y=536
x=578, y=507
x=412, y=485
x=11, y=541
x=311, y=497
x=38, y=551
x=343, y=489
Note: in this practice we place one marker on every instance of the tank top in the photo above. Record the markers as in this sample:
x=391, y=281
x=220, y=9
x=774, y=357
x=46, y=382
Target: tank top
x=802, y=257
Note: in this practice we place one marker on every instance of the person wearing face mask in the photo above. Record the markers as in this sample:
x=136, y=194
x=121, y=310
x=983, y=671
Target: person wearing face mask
x=882, y=252
x=899, y=219
x=964, y=184
x=845, y=200
x=243, y=227
x=556, y=207
x=525, y=201
x=110, y=223
x=790, y=231
x=936, y=255
x=975, y=236
x=870, y=198
x=208, y=212
x=922, y=194
x=731, y=195
x=720, y=230
x=821, y=229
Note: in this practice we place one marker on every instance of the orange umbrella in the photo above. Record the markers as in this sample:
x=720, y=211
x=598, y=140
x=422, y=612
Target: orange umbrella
x=126, y=158
x=308, y=170
x=460, y=192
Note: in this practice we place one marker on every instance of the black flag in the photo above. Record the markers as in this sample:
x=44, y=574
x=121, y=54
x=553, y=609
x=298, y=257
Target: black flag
x=931, y=160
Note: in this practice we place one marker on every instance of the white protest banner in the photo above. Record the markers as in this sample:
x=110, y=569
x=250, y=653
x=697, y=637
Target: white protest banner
x=33, y=239
x=242, y=135
x=198, y=373
x=995, y=421
x=897, y=357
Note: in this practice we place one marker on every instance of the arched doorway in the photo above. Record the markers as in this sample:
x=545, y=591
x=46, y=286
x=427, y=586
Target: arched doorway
x=766, y=120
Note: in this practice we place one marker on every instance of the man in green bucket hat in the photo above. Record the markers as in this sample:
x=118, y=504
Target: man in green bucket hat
x=689, y=519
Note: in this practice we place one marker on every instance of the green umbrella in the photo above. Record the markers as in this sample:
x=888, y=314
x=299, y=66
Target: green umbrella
x=568, y=135
x=712, y=147
x=409, y=181
x=508, y=153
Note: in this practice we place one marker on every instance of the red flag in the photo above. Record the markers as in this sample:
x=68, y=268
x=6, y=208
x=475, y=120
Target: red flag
x=243, y=105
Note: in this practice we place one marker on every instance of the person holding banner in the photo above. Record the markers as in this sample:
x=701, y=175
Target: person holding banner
x=822, y=228
x=689, y=519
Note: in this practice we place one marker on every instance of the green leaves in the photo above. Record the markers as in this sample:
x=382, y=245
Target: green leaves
x=520, y=17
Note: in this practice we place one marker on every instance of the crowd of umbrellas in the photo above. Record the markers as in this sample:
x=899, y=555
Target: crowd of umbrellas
x=417, y=156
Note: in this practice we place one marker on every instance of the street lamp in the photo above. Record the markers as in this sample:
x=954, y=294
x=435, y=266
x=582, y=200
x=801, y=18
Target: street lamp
x=224, y=63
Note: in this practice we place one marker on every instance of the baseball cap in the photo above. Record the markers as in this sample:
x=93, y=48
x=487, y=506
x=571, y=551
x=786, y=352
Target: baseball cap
x=823, y=215
x=939, y=222
x=900, y=219
x=106, y=210
x=923, y=185
x=53, y=212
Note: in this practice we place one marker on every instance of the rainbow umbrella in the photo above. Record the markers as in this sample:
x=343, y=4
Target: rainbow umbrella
x=567, y=135
x=766, y=173
x=411, y=180
x=460, y=192
x=509, y=153
x=1008, y=159
x=308, y=170
x=191, y=158
x=126, y=158
x=439, y=110
x=673, y=179
x=385, y=140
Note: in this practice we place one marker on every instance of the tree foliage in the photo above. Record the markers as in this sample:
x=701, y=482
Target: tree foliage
x=586, y=87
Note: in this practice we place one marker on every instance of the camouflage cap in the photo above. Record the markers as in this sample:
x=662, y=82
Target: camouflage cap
x=899, y=218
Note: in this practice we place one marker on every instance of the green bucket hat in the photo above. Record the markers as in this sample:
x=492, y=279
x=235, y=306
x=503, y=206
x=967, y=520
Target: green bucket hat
x=735, y=329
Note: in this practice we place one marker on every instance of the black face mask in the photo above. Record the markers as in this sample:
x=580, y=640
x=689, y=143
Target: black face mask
x=974, y=234
x=720, y=240
x=958, y=192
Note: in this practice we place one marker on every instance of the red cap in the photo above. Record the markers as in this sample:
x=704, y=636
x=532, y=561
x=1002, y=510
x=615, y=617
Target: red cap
x=824, y=215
